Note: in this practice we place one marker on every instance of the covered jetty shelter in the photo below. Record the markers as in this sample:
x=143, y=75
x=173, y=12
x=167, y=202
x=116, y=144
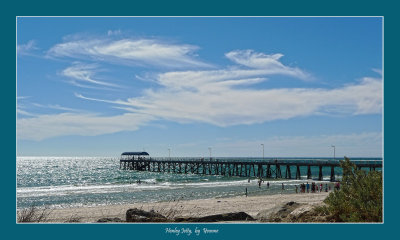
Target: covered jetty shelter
x=134, y=156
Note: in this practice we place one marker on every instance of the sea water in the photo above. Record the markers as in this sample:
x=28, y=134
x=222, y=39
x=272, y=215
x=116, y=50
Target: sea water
x=61, y=182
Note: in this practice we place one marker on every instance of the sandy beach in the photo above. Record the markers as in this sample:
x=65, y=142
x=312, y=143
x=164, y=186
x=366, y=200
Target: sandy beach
x=190, y=208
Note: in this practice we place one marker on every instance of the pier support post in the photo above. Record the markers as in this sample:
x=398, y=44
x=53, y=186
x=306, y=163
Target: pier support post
x=262, y=171
x=278, y=173
x=298, y=174
x=309, y=176
x=268, y=171
x=320, y=177
x=332, y=173
x=288, y=173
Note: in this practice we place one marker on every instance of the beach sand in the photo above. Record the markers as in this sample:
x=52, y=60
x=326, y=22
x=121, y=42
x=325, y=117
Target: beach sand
x=252, y=205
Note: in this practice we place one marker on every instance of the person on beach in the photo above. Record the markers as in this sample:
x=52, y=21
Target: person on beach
x=326, y=187
x=267, y=184
x=308, y=187
x=337, y=186
x=283, y=187
x=296, y=188
x=320, y=188
x=246, y=192
x=259, y=183
x=248, y=180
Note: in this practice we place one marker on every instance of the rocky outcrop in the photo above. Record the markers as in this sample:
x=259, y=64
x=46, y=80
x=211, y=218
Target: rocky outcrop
x=293, y=212
x=138, y=215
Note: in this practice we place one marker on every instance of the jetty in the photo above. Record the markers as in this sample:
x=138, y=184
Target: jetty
x=241, y=167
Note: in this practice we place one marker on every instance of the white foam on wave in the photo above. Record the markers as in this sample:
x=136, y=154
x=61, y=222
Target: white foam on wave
x=145, y=185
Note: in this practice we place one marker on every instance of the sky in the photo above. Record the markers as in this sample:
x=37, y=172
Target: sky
x=100, y=86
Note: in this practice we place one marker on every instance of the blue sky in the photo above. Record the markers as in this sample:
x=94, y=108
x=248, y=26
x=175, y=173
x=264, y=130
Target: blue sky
x=101, y=86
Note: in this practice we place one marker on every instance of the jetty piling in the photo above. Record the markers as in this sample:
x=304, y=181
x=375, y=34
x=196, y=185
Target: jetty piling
x=257, y=168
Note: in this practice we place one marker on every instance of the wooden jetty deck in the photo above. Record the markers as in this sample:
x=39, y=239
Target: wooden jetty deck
x=259, y=168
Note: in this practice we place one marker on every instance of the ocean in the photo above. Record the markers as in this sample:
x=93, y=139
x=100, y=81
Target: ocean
x=64, y=182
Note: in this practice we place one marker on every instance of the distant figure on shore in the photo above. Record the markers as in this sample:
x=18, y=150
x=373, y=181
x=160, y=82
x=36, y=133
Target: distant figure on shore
x=259, y=183
x=283, y=187
x=326, y=187
x=138, y=181
x=296, y=188
x=248, y=180
x=320, y=188
x=267, y=184
x=308, y=187
x=246, y=192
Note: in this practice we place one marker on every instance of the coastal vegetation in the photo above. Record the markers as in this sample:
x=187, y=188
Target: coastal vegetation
x=33, y=214
x=359, y=198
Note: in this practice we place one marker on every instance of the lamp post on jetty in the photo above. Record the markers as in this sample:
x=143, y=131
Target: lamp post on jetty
x=209, y=149
x=262, y=144
x=334, y=152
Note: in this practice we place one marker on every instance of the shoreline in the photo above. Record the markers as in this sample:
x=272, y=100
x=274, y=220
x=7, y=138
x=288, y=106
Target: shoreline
x=251, y=205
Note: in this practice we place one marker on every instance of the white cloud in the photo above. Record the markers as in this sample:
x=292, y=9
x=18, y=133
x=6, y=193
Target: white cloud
x=130, y=51
x=23, y=112
x=207, y=96
x=220, y=97
x=113, y=32
x=56, y=107
x=26, y=49
x=84, y=73
x=64, y=124
x=270, y=63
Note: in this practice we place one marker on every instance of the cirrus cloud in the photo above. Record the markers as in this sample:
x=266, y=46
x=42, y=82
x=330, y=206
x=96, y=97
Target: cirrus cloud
x=84, y=124
x=223, y=97
x=143, y=52
x=79, y=72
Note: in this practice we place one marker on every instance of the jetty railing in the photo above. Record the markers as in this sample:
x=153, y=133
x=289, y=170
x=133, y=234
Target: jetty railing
x=244, y=167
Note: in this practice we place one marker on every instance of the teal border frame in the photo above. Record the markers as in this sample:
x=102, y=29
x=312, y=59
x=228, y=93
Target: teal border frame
x=200, y=8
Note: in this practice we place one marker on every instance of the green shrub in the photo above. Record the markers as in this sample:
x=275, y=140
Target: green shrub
x=359, y=198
